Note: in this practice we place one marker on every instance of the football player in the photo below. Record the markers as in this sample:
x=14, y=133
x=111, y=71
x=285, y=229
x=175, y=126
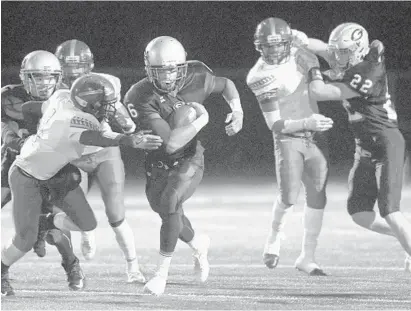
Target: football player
x=71, y=121
x=358, y=77
x=279, y=82
x=105, y=164
x=174, y=171
x=40, y=75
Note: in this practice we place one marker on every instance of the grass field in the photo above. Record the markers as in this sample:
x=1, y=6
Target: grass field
x=365, y=269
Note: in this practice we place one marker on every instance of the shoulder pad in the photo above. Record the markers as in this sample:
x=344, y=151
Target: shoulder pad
x=197, y=65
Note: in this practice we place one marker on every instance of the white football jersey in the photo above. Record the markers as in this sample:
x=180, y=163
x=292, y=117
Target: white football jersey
x=286, y=84
x=57, y=140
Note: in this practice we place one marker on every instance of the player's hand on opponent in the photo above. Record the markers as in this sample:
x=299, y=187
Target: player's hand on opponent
x=318, y=123
x=300, y=39
x=142, y=140
x=235, y=122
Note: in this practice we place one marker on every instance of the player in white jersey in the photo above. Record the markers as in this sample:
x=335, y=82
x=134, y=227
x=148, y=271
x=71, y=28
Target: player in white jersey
x=279, y=81
x=105, y=164
x=66, y=127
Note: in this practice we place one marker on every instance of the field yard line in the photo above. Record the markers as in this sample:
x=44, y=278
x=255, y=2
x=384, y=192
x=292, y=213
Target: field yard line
x=242, y=297
x=229, y=266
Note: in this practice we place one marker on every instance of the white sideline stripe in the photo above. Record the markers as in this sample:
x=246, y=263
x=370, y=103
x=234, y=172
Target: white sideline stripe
x=241, y=297
x=229, y=266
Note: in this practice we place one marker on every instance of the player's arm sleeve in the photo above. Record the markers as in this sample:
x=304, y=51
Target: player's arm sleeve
x=321, y=91
x=96, y=138
x=229, y=91
x=124, y=119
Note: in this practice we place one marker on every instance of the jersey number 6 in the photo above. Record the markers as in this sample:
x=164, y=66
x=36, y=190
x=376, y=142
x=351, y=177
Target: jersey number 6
x=356, y=82
x=132, y=110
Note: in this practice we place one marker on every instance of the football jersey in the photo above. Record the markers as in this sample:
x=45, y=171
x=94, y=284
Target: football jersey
x=12, y=99
x=286, y=84
x=145, y=103
x=372, y=111
x=57, y=140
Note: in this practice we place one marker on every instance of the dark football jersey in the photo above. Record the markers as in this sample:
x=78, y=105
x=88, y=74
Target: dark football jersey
x=145, y=103
x=12, y=99
x=373, y=110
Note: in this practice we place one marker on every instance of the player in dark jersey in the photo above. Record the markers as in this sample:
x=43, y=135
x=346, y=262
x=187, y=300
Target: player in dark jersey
x=40, y=75
x=175, y=170
x=359, y=78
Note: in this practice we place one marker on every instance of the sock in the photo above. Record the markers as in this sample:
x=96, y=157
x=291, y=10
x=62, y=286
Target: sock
x=10, y=254
x=62, y=241
x=63, y=222
x=278, y=220
x=125, y=239
x=312, y=221
x=187, y=232
x=170, y=230
x=163, y=264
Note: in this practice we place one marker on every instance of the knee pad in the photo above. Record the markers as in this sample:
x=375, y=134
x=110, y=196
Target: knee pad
x=364, y=219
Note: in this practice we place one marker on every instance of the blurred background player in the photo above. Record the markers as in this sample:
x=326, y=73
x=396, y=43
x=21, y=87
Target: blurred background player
x=40, y=75
x=174, y=171
x=358, y=77
x=105, y=164
x=279, y=81
x=63, y=132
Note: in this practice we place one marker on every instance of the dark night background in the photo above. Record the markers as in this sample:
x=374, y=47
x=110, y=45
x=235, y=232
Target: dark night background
x=219, y=34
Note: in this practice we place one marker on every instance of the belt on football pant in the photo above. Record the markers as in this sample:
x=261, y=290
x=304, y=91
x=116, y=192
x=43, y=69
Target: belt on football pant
x=163, y=164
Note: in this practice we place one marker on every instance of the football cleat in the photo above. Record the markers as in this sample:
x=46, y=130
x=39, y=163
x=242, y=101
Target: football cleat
x=201, y=265
x=6, y=288
x=407, y=266
x=88, y=245
x=309, y=267
x=156, y=286
x=134, y=275
x=75, y=275
x=270, y=260
x=39, y=246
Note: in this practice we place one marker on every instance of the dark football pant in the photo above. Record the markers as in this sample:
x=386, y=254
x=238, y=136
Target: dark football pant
x=377, y=174
x=167, y=188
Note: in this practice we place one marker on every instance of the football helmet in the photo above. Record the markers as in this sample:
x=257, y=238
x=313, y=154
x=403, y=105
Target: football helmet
x=40, y=74
x=75, y=58
x=94, y=94
x=273, y=39
x=165, y=64
x=348, y=45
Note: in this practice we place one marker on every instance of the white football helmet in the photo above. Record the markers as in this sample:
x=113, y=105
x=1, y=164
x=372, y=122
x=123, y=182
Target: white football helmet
x=165, y=63
x=40, y=74
x=348, y=45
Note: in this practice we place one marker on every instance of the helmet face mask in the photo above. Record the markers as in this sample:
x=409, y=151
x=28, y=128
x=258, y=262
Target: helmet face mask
x=348, y=45
x=40, y=74
x=75, y=58
x=165, y=64
x=273, y=40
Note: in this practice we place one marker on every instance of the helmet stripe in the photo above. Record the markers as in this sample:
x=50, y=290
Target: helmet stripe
x=72, y=47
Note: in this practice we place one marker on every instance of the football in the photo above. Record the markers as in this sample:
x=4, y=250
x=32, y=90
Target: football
x=182, y=116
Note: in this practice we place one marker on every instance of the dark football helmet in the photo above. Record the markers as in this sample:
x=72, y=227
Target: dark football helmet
x=94, y=94
x=75, y=58
x=273, y=39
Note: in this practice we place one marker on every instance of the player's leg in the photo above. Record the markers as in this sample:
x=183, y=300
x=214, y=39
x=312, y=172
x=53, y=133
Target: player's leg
x=26, y=206
x=362, y=193
x=165, y=191
x=315, y=181
x=111, y=177
x=289, y=167
x=390, y=185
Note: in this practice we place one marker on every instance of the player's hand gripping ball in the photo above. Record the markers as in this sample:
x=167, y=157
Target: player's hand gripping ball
x=182, y=116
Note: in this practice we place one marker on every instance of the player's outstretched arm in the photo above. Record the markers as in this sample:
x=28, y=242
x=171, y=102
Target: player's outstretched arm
x=141, y=140
x=321, y=91
x=230, y=93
